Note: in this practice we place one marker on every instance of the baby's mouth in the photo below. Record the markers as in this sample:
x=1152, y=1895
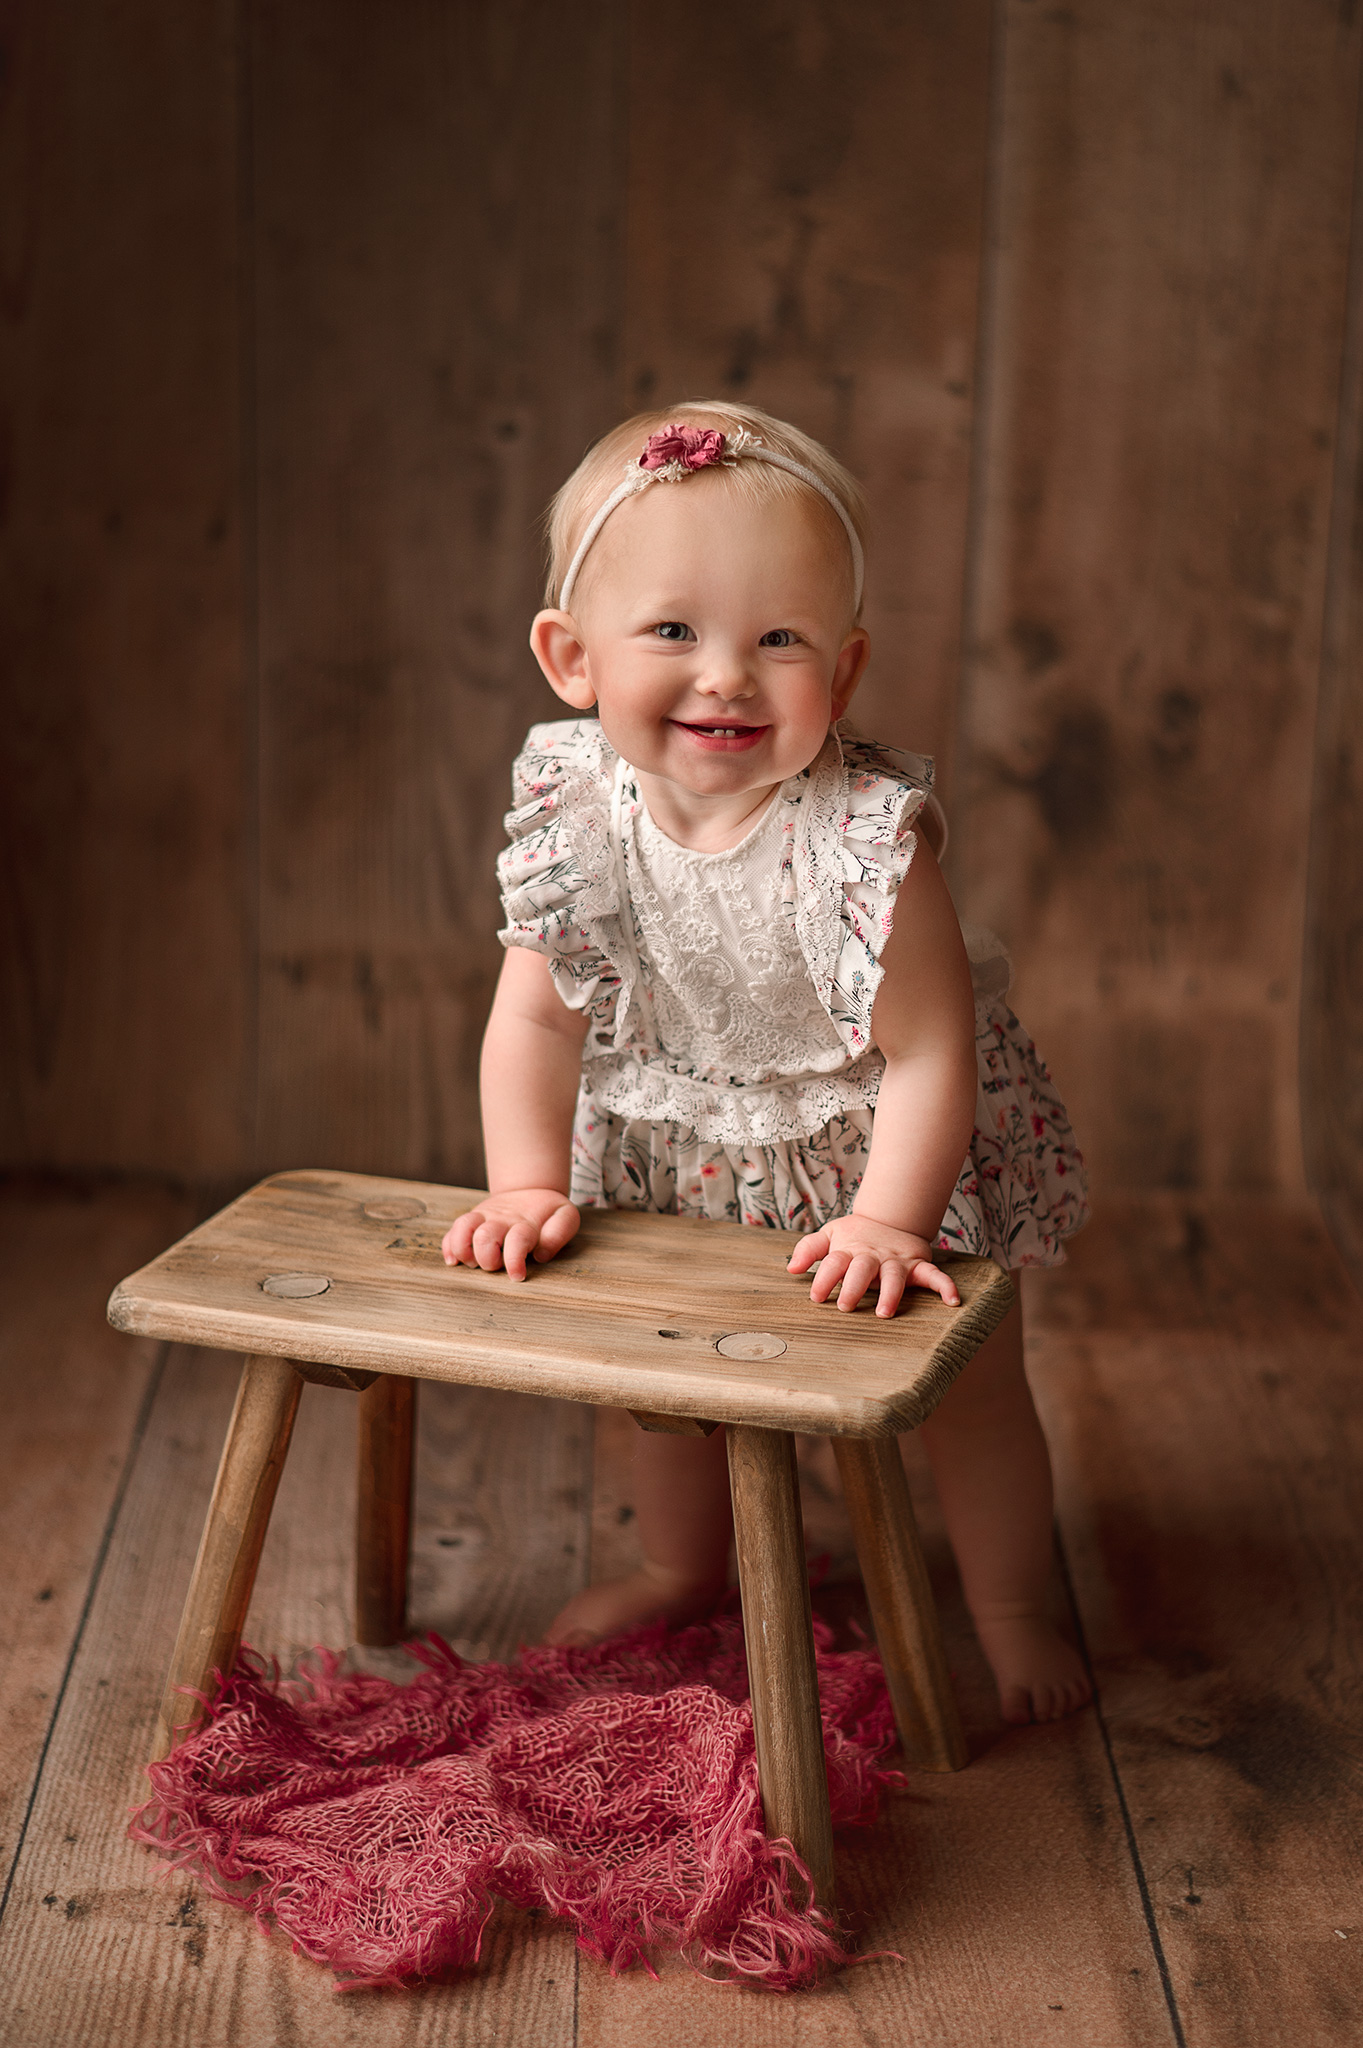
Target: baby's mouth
x=726, y=734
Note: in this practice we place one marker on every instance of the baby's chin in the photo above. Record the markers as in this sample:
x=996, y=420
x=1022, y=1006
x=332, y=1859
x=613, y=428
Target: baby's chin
x=715, y=771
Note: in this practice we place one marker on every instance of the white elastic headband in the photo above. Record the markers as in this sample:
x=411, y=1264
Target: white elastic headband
x=678, y=451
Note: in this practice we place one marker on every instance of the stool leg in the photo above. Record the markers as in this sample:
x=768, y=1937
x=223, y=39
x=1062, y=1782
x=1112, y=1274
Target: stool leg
x=383, y=1531
x=902, y=1607
x=229, y=1550
x=769, y=1535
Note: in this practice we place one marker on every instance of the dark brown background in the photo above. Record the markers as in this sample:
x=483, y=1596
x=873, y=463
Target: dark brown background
x=306, y=308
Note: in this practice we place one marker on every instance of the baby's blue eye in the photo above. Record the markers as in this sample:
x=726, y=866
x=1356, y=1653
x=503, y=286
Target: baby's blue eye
x=780, y=636
x=672, y=629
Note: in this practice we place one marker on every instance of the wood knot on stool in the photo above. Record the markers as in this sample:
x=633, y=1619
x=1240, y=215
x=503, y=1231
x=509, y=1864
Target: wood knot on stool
x=751, y=1344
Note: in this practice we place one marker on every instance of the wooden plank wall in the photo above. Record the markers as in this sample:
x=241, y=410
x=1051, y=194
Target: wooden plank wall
x=125, y=814
x=305, y=311
x=809, y=239
x=437, y=199
x=1162, y=369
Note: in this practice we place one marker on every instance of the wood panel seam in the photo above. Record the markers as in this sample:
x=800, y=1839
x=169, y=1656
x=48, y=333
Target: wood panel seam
x=1315, y=1069
x=1128, y=1825
x=981, y=407
x=248, y=507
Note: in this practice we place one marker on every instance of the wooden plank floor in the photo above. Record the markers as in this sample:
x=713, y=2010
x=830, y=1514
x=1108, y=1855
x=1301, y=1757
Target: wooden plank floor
x=1180, y=1867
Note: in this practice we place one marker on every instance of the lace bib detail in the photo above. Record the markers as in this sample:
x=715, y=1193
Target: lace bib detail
x=731, y=994
x=739, y=1048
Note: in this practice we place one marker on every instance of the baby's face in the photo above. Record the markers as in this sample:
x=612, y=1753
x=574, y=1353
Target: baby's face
x=714, y=635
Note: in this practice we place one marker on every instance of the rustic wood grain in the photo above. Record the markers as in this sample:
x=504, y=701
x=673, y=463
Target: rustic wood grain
x=632, y=1313
x=71, y=1393
x=1199, y=1382
x=806, y=234
x=383, y=1523
x=1173, y=190
x=899, y=1594
x=224, y=1574
x=770, y=1549
x=96, y=1944
x=438, y=278
x=125, y=943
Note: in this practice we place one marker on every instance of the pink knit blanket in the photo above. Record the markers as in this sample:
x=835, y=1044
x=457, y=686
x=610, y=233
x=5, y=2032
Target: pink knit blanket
x=378, y=1824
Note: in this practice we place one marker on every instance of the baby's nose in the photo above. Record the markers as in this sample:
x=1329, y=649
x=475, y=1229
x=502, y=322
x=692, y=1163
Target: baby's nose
x=726, y=680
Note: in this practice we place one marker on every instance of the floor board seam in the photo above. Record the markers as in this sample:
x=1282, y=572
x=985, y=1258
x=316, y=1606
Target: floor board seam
x=1133, y=1847
x=587, y=1525
x=139, y=1432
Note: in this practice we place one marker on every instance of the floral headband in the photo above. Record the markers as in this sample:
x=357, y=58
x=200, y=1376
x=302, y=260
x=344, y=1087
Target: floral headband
x=676, y=452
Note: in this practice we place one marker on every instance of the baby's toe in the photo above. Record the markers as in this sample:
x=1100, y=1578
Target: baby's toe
x=1078, y=1695
x=1016, y=1704
x=1053, y=1701
x=561, y=1635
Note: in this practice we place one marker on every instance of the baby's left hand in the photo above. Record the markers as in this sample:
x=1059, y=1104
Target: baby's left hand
x=856, y=1250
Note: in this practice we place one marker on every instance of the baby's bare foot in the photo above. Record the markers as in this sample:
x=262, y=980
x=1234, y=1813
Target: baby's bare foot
x=651, y=1594
x=1040, y=1676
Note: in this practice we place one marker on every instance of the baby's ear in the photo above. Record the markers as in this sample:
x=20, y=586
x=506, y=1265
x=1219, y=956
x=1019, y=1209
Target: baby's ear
x=856, y=652
x=557, y=646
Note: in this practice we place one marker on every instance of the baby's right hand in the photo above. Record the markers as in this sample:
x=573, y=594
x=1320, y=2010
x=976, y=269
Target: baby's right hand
x=505, y=1229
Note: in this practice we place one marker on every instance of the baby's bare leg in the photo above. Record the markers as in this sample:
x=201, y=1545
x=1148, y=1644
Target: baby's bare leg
x=681, y=1499
x=993, y=1476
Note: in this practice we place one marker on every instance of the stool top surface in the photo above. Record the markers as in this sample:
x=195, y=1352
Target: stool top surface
x=345, y=1269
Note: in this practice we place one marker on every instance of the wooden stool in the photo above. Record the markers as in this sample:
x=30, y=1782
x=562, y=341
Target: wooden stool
x=338, y=1278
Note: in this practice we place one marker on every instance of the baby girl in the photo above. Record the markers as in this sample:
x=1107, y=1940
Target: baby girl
x=736, y=987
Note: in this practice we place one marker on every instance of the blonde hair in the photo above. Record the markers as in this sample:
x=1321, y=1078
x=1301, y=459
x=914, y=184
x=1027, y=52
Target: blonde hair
x=602, y=467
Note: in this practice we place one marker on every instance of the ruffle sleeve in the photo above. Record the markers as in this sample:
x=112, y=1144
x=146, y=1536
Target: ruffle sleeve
x=557, y=878
x=855, y=846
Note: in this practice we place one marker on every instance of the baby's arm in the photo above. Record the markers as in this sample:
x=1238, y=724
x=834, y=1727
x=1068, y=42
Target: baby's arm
x=532, y=1061
x=924, y=1023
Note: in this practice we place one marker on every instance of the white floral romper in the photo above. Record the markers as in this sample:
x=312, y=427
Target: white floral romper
x=728, y=1069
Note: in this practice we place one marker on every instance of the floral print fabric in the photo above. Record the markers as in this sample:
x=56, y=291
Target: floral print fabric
x=1020, y=1193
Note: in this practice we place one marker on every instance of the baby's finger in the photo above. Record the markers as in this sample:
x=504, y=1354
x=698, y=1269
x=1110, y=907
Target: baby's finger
x=487, y=1245
x=860, y=1274
x=924, y=1274
x=829, y=1275
x=458, y=1240
x=808, y=1252
x=558, y=1231
x=894, y=1278
x=519, y=1242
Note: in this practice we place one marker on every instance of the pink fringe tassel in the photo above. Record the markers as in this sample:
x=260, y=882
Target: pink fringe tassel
x=616, y=1787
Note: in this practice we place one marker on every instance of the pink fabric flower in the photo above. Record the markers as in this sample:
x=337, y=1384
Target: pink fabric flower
x=692, y=447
